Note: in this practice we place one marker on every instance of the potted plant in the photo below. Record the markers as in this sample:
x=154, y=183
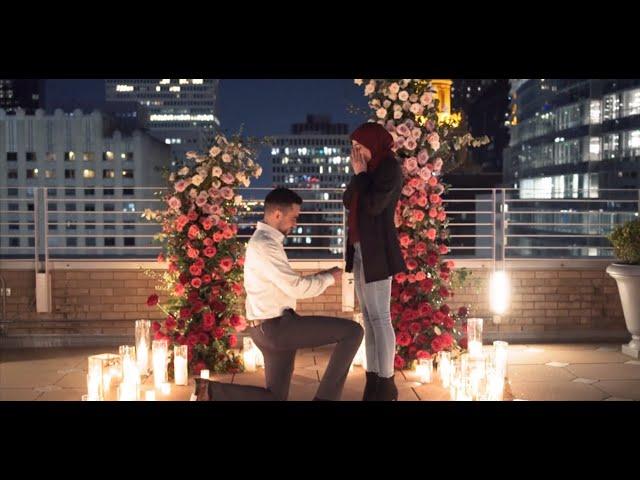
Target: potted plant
x=625, y=239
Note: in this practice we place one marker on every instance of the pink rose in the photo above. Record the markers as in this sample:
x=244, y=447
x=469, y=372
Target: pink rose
x=431, y=233
x=411, y=164
x=181, y=185
x=174, y=203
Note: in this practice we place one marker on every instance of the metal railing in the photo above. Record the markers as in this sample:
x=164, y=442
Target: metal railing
x=502, y=223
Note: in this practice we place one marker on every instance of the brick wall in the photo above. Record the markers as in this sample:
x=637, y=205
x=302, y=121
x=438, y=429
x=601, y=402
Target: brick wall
x=548, y=302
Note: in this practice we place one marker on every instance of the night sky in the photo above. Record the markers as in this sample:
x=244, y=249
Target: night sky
x=263, y=107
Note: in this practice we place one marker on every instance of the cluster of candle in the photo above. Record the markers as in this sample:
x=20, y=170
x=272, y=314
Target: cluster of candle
x=475, y=377
x=125, y=368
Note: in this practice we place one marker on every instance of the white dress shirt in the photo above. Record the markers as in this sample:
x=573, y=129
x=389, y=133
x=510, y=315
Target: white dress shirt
x=271, y=284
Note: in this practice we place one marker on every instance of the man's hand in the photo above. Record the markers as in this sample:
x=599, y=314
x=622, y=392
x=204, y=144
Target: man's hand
x=336, y=272
x=358, y=163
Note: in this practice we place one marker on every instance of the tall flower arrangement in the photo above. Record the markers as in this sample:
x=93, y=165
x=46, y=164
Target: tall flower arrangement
x=203, y=280
x=423, y=321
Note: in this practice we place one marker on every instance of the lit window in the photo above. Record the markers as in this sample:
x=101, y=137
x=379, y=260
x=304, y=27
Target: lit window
x=50, y=174
x=127, y=173
x=69, y=156
x=88, y=173
x=88, y=156
x=124, y=88
x=108, y=156
x=157, y=89
x=108, y=174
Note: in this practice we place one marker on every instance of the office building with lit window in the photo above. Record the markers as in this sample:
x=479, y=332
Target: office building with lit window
x=25, y=93
x=315, y=156
x=571, y=135
x=181, y=112
x=95, y=178
x=574, y=139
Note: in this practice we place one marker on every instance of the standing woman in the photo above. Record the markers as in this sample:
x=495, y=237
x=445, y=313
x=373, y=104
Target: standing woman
x=373, y=249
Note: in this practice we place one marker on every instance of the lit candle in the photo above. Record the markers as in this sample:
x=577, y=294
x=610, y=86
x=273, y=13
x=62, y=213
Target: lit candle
x=180, y=369
x=474, y=336
x=94, y=393
x=496, y=387
x=249, y=358
x=259, y=358
x=204, y=374
x=150, y=395
x=501, y=350
x=127, y=392
x=444, y=368
x=159, y=362
x=143, y=343
x=424, y=369
x=165, y=388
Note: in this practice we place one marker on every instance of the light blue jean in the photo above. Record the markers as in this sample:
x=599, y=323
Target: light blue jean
x=375, y=303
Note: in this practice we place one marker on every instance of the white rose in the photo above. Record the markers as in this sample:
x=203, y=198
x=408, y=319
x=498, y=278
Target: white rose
x=394, y=88
x=403, y=95
x=386, y=104
x=172, y=177
x=246, y=182
x=358, y=81
x=183, y=171
x=214, y=151
x=381, y=112
x=226, y=158
x=216, y=171
x=370, y=88
x=397, y=115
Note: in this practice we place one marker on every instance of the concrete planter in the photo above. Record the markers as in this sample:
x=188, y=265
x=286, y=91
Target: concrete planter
x=628, y=279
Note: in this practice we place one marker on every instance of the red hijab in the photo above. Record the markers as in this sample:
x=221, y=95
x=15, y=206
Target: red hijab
x=379, y=141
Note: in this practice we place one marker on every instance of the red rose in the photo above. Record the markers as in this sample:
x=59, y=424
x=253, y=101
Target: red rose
x=181, y=340
x=443, y=249
x=448, y=322
x=218, y=306
x=436, y=344
x=426, y=285
x=159, y=336
x=170, y=322
x=463, y=342
x=196, y=282
x=414, y=328
x=420, y=276
x=423, y=355
x=192, y=215
x=403, y=339
x=160, y=258
x=426, y=323
x=208, y=321
x=210, y=251
x=192, y=339
x=183, y=278
x=193, y=296
x=218, y=332
x=197, y=306
x=173, y=267
x=240, y=261
x=155, y=326
x=405, y=240
x=185, y=312
x=206, y=279
x=412, y=264
x=411, y=278
x=207, y=242
x=444, y=292
x=233, y=340
x=463, y=312
x=179, y=289
x=226, y=264
x=398, y=362
x=195, y=270
x=217, y=237
x=238, y=322
x=203, y=338
x=152, y=300
x=421, y=339
x=237, y=288
x=445, y=309
x=405, y=297
x=193, y=253
x=401, y=277
x=228, y=233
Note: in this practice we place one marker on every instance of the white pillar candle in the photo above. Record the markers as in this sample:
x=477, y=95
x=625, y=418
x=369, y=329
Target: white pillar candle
x=249, y=358
x=474, y=336
x=501, y=354
x=143, y=344
x=150, y=395
x=424, y=369
x=204, y=374
x=159, y=362
x=475, y=348
x=127, y=392
x=180, y=364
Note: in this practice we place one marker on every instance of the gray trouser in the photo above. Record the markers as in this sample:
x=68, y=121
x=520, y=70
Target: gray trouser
x=279, y=338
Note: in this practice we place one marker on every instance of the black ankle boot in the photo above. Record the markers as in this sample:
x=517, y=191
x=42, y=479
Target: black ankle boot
x=370, y=387
x=387, y=390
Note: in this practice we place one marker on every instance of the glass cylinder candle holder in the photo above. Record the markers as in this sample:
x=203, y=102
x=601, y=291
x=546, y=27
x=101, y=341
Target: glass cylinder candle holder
x=444, y=368
x=160, y=355
x=143, y=346
x=501, y=356
x=474, y=336
x=128, y=392
x=180, y=364
x=204, y=373
x=424, y=370
x=101, y=369
x=130, y=373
